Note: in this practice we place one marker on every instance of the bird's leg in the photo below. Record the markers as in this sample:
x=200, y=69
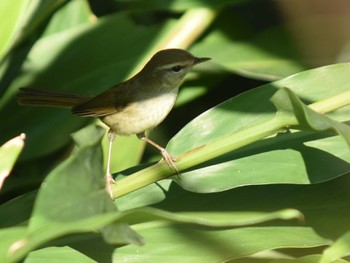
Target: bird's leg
x=166, y=155
x=109, y=178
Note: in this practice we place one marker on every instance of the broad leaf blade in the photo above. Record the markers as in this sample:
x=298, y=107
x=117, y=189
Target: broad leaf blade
x=73, y=199
x=299, y=158
x=189, y=244
x=57, y=254
x=69, y=63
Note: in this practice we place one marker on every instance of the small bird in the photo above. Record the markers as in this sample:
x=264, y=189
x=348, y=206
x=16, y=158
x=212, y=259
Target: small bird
x=131, y=107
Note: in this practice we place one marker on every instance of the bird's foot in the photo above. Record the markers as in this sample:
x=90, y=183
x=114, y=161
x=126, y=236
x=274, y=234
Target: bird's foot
x=109, y=182
x=170, y=160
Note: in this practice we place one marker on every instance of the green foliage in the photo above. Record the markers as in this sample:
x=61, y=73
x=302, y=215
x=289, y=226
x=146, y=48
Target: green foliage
x=264, y=175
x=9, y=153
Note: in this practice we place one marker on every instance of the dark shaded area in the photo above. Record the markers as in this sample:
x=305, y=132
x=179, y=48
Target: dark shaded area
x=318, y=203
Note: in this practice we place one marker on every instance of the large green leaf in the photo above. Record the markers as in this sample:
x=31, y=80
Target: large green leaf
x=57, y=254
x=30, y=24
x=10, y=12
x=76, y=191
x=306, y=259
x=22, y=19
x=298, y=155
x=320, y=203
x=72, y=199
x=188, y=244
x=254, y=106
x=268, y=54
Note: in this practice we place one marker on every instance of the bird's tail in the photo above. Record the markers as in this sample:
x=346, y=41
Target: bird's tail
x=39, y=97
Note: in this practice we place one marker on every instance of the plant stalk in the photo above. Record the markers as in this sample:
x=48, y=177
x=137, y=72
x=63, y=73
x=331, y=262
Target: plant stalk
x=221, y=146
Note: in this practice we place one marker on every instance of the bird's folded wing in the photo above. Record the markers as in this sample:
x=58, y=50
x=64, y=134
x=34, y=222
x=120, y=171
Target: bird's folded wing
x=111, y=101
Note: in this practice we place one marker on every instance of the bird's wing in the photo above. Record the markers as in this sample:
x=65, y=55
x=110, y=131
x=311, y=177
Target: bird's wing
x=106, y=103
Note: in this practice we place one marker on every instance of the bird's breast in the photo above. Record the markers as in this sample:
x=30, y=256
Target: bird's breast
x=141, y=115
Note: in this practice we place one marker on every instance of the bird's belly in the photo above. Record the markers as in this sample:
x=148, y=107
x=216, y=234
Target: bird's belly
x=142, y=115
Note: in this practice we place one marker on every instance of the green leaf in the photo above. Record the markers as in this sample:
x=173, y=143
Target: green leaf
x=320, y=204
x=72, y=14
x=253, y=107
x=304, y=157
x=17, y=211
x=289, y=105
x=10, y=13
x=57, y=254
x=215, y=219
x=189, y=244
x=73, y=199
x=66, y=61
x=9, y=153
x=178, y=5
x=34, y=15
x=341, y=248
x=223, y=147
x=269, y=55
x=306, y=259
x=77, y=181
x=12, y=239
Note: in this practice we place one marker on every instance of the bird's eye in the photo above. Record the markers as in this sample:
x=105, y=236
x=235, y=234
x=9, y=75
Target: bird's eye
x=176, y=68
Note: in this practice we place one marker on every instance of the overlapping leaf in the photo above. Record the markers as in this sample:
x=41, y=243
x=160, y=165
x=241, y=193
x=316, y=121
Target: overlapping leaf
x=302, y=158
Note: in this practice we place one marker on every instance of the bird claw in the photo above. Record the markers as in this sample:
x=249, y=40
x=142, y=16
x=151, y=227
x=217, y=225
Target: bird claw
x=109, y=182
x=170, y=160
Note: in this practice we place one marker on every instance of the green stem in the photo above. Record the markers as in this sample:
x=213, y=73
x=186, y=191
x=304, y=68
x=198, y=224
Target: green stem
x=333, y=103
x=189, y=28
x=222, y=146
x=199, y=155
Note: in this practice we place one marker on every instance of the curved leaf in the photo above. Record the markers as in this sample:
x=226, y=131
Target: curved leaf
x=57, y=254
x=189, y=244
x=267, y=55
x=341, y=248
x=301, y=158
x=9, y=153
x=306, y=259
x=223, y=147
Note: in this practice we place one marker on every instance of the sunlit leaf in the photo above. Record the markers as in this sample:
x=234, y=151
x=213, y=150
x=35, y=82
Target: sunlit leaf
x=202, y=245
x=302, y=157
x=341, y=248
x=55, y=254
x=9, y=153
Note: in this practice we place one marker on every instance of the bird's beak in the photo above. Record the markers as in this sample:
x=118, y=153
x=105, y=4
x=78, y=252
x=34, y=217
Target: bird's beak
x=200, y=60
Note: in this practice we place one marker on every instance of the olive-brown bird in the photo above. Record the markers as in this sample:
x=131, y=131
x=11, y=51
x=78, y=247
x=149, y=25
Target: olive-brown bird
x=131, y=107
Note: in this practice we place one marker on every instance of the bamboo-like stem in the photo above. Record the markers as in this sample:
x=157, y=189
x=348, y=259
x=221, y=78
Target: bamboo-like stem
x=330, y=104
x=189, y=28
x=196, y=156
x=221, y=146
